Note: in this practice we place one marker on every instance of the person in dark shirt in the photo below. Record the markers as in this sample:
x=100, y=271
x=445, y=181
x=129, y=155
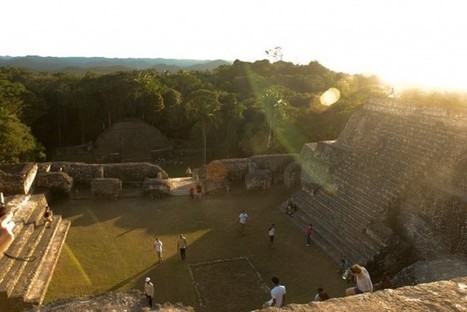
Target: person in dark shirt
x=321, y=295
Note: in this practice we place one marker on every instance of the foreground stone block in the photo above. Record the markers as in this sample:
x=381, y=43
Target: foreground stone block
x=17, y=178
x=55, y=181
x=156, y=187
x=106, y=187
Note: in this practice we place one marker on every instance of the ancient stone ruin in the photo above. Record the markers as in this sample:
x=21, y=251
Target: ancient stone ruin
x=130, y=140
x=29, y=262
x=390, y=193
x=391, y=190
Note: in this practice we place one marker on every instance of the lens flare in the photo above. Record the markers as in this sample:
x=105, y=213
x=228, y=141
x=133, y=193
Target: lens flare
x=330, y=97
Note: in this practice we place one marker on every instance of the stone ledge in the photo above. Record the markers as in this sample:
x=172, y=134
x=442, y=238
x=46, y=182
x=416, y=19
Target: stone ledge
x=440, y=296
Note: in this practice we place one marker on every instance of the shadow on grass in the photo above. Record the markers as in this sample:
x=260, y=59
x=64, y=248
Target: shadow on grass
x=129, y=279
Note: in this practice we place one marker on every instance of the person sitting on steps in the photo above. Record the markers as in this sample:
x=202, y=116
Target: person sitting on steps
x=47, y=217
x=6, y=227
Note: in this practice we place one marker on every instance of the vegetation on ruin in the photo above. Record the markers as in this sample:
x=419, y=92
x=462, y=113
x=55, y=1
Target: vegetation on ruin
x=254, y=108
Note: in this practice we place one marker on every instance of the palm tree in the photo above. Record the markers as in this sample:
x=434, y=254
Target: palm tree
x=271, y=104
x=202, y=105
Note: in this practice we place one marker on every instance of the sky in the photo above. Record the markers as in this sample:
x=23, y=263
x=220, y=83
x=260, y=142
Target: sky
x=406, y=43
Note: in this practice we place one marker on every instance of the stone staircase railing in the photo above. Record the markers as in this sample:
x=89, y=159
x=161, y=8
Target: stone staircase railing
x=24, y=283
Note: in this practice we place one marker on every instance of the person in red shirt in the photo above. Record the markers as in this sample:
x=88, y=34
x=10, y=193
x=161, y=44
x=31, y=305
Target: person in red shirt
x=308, y=231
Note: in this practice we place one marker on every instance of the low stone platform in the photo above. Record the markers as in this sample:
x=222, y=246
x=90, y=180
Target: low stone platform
x=28, y=264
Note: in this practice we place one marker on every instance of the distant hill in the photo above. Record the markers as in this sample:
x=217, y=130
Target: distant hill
x=105, y=65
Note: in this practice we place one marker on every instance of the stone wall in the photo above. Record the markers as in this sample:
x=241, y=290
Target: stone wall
x=441, y=268
x=275, y=163
x=127, y=172
x=106, y=187
x=257, y=172
x=17, y=178
x=80, y=172
x=55, y=181
x=133, y=172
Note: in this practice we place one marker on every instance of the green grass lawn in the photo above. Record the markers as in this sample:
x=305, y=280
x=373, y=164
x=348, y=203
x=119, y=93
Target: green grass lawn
x=109, y=247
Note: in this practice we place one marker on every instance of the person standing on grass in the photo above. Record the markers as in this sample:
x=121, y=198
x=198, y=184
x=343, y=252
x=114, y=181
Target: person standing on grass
x=192, y=192
x=272, y=232
x=149, y=290
x=158, y=246
x=308, y=231
x=243, y=217
x=199, y=191
x=181, y=245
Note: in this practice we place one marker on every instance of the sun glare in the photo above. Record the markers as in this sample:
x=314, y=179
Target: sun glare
x=330, y=97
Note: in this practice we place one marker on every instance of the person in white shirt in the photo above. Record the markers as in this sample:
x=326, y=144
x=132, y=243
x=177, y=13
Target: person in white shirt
x=158, y=246
x=363, y=279
x=149, y=290
x=272, y=232
x=277, y=294
x=243, y=217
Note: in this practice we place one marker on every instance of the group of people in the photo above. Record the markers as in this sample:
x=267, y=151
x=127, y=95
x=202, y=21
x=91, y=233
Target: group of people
x=349, y=272
x=182, y=245
x=158, y=246
x=196, y=191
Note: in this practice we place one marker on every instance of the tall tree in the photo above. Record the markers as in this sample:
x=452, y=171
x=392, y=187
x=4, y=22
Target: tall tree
x=203, y=105
x=16, y=141
x=272, y=104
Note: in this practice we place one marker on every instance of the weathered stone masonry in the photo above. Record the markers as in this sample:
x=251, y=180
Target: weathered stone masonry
x=392, y=189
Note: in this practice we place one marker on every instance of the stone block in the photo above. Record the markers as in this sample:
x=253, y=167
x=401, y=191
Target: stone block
x=59, y=181
x=258, y=180
x=155, y=187
x=17, y=178
x=106, y=187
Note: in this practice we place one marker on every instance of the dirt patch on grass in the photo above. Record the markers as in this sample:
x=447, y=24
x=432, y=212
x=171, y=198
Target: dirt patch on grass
x=221, y=285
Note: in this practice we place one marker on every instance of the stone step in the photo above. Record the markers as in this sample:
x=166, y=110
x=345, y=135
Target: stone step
x=39, y=252
x=27, y=218
x=327, y=228
x=301, y=220
x=15, y=250
x=35, y=247
x=352, y=239
x=37, y=286
x=327, y=239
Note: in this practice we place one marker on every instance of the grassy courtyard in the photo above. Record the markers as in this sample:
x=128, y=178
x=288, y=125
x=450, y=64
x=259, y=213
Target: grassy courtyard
x=109, y=247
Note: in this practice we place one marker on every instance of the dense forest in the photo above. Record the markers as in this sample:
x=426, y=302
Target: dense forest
x=236, y=110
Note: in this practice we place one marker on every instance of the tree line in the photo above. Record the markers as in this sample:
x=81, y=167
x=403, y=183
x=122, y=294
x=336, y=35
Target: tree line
x=236, y=110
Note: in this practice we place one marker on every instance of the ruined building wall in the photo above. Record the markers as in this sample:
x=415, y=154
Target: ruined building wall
x=433, y=212
x=395, y=177
x=127, y=172
x=17, y=178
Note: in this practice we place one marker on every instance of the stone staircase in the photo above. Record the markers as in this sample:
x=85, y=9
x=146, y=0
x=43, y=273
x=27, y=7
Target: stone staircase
x=25, y=277
x=374, y=160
